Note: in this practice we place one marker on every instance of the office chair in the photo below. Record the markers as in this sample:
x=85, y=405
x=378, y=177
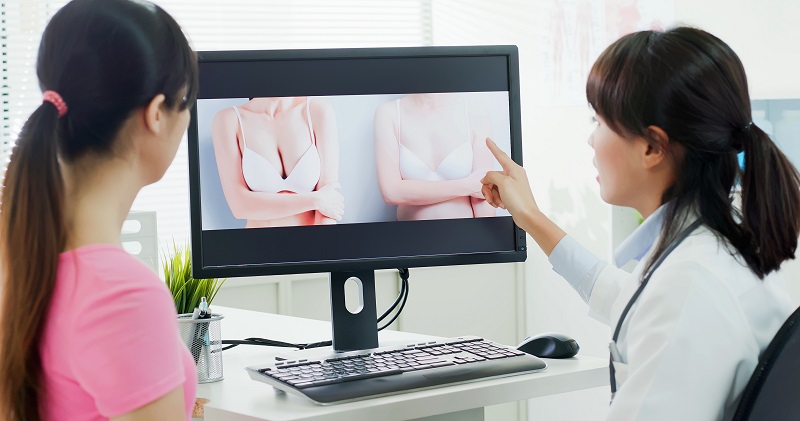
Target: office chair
x=773, y=392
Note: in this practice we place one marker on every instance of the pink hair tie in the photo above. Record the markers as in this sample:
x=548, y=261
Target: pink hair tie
x=54, y=98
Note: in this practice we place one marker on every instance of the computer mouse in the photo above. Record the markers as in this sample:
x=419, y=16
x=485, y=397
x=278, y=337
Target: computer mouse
x=550, y=345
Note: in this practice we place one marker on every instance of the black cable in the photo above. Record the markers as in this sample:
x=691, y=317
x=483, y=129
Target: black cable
x=317, y=344
x=401, y=299
x=256, y=341
x=269, y=342
x=403, y=290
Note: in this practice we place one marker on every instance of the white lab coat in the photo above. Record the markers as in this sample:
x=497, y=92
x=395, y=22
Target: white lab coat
x=692, y=340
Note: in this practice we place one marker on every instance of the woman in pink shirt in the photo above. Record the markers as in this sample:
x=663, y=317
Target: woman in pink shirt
x=89, y=333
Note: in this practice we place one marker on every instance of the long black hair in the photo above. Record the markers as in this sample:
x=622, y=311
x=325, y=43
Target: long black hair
x=105, y=58
x=693, y=86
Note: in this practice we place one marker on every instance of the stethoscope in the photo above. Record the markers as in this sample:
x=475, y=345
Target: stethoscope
x=613, y=345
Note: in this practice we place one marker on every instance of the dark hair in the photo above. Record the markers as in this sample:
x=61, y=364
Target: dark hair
x=693, y=86
x=106, y=58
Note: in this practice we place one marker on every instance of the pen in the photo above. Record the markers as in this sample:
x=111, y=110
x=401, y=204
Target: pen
x=205, y=314
x=193, y=336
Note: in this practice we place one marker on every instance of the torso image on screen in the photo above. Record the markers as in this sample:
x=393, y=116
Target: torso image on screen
x=262, y=176
x=268, y=155
x=432, y=153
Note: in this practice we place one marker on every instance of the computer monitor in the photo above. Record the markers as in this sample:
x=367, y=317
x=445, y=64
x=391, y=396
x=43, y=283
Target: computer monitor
x=348, y=161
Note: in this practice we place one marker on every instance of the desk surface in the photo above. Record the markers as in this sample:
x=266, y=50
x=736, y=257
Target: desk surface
x=237, y=397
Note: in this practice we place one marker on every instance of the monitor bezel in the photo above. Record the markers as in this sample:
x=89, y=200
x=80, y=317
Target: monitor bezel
x=199, y=270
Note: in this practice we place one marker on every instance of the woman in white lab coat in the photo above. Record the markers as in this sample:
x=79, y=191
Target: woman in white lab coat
x=672, y=113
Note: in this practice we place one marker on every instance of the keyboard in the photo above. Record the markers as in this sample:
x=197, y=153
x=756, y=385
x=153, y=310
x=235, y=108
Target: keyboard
x=357, y=375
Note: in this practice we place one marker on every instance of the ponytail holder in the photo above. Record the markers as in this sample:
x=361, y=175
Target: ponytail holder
x=737, y=143
x=54, y=98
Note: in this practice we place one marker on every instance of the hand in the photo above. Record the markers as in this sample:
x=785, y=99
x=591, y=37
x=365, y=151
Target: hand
x=330, y=201
x=508, y=189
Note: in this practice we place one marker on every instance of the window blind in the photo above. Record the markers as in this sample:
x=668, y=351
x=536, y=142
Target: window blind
x=209, y=25
x=21, y=24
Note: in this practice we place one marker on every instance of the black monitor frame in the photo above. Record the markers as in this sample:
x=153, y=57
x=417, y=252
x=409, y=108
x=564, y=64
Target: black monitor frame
x=353, y=331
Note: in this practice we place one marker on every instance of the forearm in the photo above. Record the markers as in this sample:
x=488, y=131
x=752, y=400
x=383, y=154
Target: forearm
x=320, y=219
x=544, y=231
x=423, y=192
x=266, y=206
x=580, y=267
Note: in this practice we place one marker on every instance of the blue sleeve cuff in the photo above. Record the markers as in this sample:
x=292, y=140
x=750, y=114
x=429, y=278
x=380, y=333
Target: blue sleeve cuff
x=577, y=265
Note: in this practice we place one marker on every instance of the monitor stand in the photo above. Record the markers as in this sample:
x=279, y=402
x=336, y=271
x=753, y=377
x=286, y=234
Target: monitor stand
x=354, y=318
x=353, y=315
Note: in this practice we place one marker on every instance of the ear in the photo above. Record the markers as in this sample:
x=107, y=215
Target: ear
x=154, y=114
x=657, y=146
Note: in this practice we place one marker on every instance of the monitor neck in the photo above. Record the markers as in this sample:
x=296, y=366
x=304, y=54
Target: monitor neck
x=353, y=313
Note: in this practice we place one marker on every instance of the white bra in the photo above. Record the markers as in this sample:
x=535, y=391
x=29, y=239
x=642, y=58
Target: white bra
x=457, y=164
x=261, y=176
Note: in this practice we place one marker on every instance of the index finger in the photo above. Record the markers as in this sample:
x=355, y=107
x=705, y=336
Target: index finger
x=505, y=161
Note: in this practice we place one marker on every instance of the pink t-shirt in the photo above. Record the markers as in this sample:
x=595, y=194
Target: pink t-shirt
x=111, y=342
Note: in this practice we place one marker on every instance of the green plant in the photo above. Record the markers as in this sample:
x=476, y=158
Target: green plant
x=186, y=290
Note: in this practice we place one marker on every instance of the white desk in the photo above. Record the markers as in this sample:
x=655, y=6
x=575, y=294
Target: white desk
x=238, y=398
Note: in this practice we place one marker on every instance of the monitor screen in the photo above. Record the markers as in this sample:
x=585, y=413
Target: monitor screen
x=350, y=159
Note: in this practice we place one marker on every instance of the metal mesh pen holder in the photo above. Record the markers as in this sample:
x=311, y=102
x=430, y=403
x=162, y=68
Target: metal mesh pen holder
x=203, y=337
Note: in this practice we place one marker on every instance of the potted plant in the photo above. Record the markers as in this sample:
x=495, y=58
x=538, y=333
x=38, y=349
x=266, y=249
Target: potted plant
x=187, y=292
x=201, y=335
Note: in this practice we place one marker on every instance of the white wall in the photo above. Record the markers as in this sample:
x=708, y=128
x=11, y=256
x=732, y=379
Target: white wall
x=763, y=33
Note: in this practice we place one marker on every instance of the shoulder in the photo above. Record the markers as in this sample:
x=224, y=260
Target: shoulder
x=320, y=107
x=225, y=117
x=386, y=111
x=699, y=256
x=701, y=271
x=712, y=254
x=109, y=262
x=109, y=276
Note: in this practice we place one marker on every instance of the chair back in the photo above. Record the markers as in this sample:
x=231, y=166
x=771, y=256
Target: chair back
x=773, y=392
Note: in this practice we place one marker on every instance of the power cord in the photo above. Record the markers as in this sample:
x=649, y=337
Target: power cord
x=269, y=342
x=404, y=274
x=400, y=301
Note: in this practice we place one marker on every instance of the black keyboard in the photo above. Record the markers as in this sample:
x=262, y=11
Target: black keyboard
x=352, y=376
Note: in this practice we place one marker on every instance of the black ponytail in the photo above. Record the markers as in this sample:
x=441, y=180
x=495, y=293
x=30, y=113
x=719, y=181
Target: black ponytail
x=770, y=202
x=31, y=213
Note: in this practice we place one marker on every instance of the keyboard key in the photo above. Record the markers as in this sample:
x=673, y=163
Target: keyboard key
x=371, y=375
